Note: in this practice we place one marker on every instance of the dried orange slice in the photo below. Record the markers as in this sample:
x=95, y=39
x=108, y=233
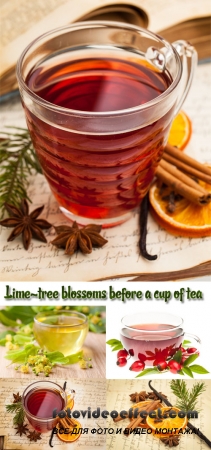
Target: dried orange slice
x=188, y=219
x=181, y=130
x=70, y=437
x=167, y=423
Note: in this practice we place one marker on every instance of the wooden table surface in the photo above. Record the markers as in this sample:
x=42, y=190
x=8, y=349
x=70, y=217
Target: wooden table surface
x=94, y=348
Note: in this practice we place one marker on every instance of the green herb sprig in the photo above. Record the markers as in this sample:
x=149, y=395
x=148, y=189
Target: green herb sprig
x=187, y=399
x=17, y=409
x=18, y=160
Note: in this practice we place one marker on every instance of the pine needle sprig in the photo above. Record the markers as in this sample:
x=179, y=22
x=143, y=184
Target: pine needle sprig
x=187, y=398
x=16, y=408
x=18, y=160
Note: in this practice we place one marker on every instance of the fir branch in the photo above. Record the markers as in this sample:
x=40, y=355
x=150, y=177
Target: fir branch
x=18, y=160
x=16, y=408
x=187, y=399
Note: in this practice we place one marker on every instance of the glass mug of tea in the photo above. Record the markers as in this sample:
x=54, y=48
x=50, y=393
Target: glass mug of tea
x=99, y=100
x=69, y=330
x=40, y=399
x=145, y=333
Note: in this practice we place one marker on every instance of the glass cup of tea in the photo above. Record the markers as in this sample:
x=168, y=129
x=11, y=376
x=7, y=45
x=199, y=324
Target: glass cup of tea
x=99, y=99
x=63, y=331
x=143, y=334
x=39, y=400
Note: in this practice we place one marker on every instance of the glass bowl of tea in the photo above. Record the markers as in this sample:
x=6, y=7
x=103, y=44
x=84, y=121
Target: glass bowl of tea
x=146, y=333
x=61, y=330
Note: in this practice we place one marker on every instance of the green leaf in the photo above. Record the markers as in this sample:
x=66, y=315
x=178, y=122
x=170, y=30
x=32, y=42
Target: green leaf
x=198, y=369
x=57, y=358
x=4, y=334
x=117, y=347
x=185, y=342
x=23, y=313
x=6, y=320
x=99, y=327
x=181, y=372
x=190, y=359
x=73, y=359
x=21, y=339
x=113, y=342
x=178, y=356
x=146, y=372
x=188, y=371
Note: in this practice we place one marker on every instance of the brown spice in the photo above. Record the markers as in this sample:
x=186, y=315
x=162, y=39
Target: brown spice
x=153, y=396
x=34, y=436
x=21, y=429
x=74, y=238
x=24, y=223
x=136, y=422
x=139, y=397
x=17, y=398
x=171, y=441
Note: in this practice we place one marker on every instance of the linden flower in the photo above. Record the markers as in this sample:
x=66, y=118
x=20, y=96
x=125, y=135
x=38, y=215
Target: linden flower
x=32, y=359
x=39, y=368
x=27, y=329
x=47, y=370
x=45, y=360
x=8, y=337
x=9, y=345
x=25, y=368
x=95, y=320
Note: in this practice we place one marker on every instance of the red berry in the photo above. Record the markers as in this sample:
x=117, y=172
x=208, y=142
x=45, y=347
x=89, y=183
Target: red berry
x=122, y=354
x=137, y=366
x=131, y=352
x=183, y=350
x=121, y=362
x=192, y=350
x=142, y=357
x=174, y=366
x=162, y=366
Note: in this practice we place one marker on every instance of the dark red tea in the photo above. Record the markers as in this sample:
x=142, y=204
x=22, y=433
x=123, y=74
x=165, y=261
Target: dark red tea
x=149, y=337
x=99, y=176
x=40, y=403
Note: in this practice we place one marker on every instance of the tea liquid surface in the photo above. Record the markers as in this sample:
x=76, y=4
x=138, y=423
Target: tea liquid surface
x=98, y=175
x=67, y=338
x=148, y=337
x=41, y=402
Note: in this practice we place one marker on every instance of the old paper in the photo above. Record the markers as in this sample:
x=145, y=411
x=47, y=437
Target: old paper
x=85, y=396
x=118, y=399
x=120, y=256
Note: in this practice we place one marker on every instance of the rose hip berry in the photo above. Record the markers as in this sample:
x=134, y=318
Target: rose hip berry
x=137, y=366
x=162, y=366
x=122, y=354
x=121, y=362
x=191, y=350
x=131, y=352
x=174, y=366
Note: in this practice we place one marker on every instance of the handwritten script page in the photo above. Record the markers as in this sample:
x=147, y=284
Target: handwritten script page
x=120, y=256
x=118, y=399
x=85, y=396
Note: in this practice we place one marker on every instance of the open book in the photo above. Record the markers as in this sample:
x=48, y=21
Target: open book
x=24, y=21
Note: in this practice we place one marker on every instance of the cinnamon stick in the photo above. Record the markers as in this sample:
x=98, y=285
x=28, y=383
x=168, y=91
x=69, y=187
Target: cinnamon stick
x=186, y=191
x=182, y=177
x=135, y=422
x=173, y=151
x=187, y=168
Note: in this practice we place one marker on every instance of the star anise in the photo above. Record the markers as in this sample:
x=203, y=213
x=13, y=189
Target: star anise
x=171, y=441
x=17, y=398
x=24, y=223
x=21, y=429
x=74, y=238
x=34, y=436
x=139, y=397
x=153, y=396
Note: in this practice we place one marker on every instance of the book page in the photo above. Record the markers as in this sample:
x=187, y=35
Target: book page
x=23, y=21
x=120, y=256
x=85, y=396
x=118, y=399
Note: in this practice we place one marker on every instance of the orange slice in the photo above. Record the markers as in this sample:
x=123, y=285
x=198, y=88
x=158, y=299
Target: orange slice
x=70, y=437
x=188, y=219
x=167, y=423
x=143, y=405
x=181, y=130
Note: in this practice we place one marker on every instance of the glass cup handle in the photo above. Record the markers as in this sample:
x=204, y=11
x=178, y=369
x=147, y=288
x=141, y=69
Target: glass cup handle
x=192, y=337
x=189, y=59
